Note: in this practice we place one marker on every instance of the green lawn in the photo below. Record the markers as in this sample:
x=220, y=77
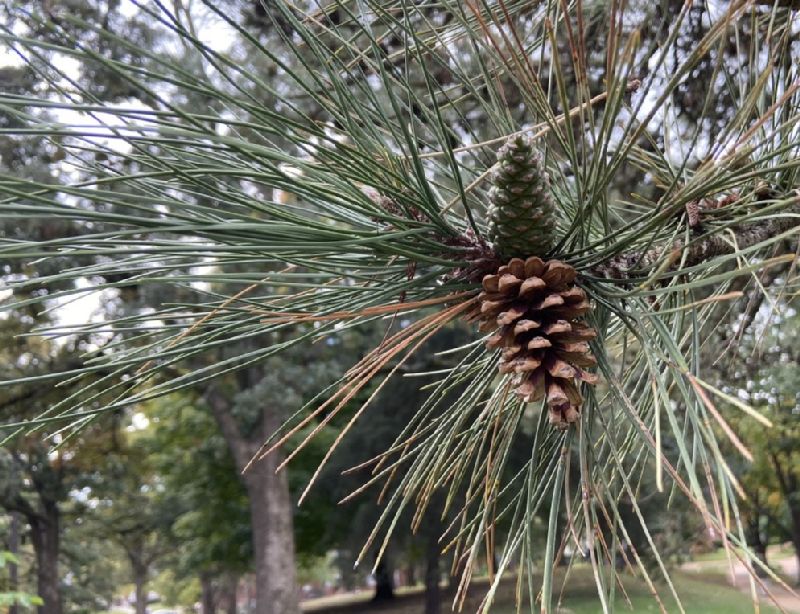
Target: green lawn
x=699, y=595
x=775, y=551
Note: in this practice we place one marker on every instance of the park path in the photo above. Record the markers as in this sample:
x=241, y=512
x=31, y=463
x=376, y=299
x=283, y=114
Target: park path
x=786, y=599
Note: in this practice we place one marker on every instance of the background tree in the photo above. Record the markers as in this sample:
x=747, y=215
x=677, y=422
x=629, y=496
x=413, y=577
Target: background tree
x=130, y=506
x=11, y=598
x=765, y=379
x=211, y=532
x=35, y=481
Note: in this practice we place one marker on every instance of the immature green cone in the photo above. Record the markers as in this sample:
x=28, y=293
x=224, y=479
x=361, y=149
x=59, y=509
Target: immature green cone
x=521, y=215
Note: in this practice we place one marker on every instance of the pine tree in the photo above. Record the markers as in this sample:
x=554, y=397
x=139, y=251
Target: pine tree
x=379, y=131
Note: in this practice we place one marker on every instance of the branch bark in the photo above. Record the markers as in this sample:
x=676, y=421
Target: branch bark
x=638, y=264
x=221, y=409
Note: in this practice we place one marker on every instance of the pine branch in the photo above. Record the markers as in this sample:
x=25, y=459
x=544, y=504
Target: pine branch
x=639, y=264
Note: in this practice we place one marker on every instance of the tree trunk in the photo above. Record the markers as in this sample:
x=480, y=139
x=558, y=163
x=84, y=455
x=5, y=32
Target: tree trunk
x=46, y=544
x=794, y=512
x=227, y=593
x=454, y=573
x=207, y=602
x=761, y=552
x=271, y=508
x=411, y=575
x=384, y=582
x=140, y=584
x=13, y=548
x=756, y=542
x=789, y=488
x=433, y=553
x=271, y=512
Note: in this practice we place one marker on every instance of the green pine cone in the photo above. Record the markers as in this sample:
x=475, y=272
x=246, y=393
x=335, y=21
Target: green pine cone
x=521, y=215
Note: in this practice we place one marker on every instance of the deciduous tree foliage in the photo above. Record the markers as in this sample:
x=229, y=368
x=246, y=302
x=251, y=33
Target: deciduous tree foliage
x=211, y=533
x=767, y=457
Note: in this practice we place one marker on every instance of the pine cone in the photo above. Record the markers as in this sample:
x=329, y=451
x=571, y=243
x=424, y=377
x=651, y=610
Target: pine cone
x=536, y=306
x=521, y=215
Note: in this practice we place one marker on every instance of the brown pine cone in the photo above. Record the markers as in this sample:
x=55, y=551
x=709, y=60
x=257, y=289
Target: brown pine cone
x=535, y=306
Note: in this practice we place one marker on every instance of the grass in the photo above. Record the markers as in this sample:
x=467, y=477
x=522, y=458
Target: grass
x=699, y=595
x=713, y=556
x=775, y=551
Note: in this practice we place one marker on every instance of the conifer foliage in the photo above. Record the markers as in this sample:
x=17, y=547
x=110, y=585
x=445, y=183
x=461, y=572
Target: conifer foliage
x=533, y=167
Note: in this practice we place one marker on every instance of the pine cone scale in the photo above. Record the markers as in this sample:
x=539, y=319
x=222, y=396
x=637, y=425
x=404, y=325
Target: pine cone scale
x=523, y=326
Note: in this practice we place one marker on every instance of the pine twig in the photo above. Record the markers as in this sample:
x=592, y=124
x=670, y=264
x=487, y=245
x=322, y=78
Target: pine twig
x=638, y=264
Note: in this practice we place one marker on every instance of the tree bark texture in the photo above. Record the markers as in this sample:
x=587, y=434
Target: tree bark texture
x=273, y=538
